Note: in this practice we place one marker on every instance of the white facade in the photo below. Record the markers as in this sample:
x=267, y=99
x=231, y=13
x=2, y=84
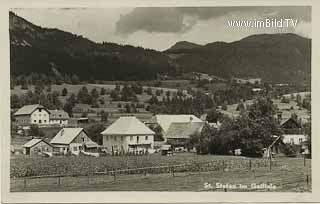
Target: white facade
x=294, y=139
x=58, y=121
x=128, y=143
x=40, y=117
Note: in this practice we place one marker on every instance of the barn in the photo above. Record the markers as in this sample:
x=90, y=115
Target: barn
x=73, y=140
x=37, y=147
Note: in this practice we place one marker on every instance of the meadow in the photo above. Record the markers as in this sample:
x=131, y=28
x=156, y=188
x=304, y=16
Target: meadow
x=288, y=175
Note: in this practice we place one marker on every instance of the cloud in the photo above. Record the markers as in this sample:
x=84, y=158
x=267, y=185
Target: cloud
x=182, y=19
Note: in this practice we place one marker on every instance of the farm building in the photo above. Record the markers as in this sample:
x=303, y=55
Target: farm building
x=294, y=139
x=128, y=134
x=247, y=80
x=290, y=126
x=36, y=147
x=177, y=129
x=59, y=117
x=32, y=114
x=73, y=140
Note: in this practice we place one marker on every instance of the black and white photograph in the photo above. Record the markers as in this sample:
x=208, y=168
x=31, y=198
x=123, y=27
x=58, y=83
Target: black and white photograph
x=161, y=99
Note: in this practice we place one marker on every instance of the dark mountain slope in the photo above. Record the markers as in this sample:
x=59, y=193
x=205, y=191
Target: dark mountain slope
x=273, y=57
x=49, y=51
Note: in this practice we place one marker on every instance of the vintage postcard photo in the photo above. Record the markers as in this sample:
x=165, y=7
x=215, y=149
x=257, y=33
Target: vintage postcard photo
x=161, y=99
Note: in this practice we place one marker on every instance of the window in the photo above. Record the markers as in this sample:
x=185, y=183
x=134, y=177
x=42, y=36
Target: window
x=83, y=139
x=40, y=109
x=146, y=138
x=131, y=138
x=35, y=121
x=137, y=139
x=292, y=141
x=300, y=140
x=122, y=138
x=45, y=121
x=39, y=121
x=75, y=148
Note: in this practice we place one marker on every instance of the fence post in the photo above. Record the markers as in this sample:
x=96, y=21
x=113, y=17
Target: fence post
x=270, y=164
x=59, y=181
x=222, y=165
x=307, y=179
x=304, y=160
x=24, y=182
x=145, y=172
x=172, y=170
x=250, y=165
x=114, y=175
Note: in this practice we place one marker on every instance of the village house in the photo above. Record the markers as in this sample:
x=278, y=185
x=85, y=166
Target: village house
x=177, y=129
x=201, y=76
x=128, y=134
x=247, y=80
x=73, y=140
x=37, y=147
x=32, y=114
x=59, y=117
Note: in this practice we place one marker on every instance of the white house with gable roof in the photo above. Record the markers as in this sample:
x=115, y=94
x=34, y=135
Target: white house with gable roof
x=128, y=134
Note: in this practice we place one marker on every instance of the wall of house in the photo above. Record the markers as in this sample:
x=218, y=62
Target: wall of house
x=39, y=148
x=23, y=119
x=59, y=121
x=294, y=139
x=40, y=117
x=122, y=143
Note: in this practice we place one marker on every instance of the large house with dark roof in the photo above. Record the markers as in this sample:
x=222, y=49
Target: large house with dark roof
x=128, y=134
x=177, y=129
x=32, y=114
x=39, y=115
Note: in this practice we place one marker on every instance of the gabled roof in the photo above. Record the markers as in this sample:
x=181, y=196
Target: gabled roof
x=33, y=142
x=66, y=135
x=28, y=109
x=58, y=114
x=128, y=126
x=165, y=120
x=183, y=130
x=285, y=121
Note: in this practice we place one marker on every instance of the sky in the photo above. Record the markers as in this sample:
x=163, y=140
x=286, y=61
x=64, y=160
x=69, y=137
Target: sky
x=161, y=27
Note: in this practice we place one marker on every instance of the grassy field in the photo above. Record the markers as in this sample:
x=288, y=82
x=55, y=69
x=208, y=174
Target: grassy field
x=286, y=108
x=289, y=176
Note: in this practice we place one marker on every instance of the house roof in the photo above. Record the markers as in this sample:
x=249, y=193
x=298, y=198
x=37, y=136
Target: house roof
x=128, y=126
x=165, y=120
x=58, y=114
x=33, y=142
x=66, y=135
x=183, y=130
x=28, y=109
x=287, y=120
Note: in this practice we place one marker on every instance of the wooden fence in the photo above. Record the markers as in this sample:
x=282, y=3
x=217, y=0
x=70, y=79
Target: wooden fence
x=217, y=165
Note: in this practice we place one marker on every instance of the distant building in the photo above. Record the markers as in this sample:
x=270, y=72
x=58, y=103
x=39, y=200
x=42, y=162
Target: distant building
x=59, y=117
x=128, y=134
x=73, y=140
x=177, y=129
x=32, y=114
x=290, y=126
x=247, y=80
x=201, y=76
x=36, y=147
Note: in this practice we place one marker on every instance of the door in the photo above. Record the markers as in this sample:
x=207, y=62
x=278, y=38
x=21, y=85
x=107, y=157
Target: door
x=27, y=151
